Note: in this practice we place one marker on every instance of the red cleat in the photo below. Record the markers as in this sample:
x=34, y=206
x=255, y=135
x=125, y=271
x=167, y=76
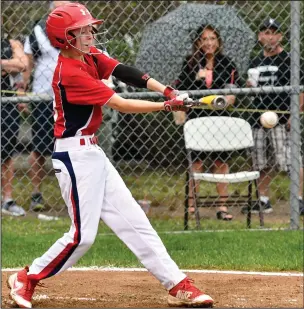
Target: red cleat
x=185, y=294
x=21, y=288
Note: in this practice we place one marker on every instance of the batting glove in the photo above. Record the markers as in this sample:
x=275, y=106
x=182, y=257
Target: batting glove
x=170, y=92
x=180, y=103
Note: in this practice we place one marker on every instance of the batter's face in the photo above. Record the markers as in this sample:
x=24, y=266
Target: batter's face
x=208, y=42
x=84, y=38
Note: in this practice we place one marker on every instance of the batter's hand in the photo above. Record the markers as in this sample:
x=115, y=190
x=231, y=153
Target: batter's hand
x=180, y=103
x=170, y=92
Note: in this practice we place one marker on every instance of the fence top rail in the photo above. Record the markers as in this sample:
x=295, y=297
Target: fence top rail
x=158, y=96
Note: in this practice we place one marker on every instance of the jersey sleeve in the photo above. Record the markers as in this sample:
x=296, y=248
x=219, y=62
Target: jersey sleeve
x=105, y=63
x=82, y=89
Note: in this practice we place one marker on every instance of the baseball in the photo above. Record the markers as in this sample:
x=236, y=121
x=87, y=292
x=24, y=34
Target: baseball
x=269, y=120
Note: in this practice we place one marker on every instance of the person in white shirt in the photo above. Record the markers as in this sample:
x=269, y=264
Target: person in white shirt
x=42, y=62
x=13, y=62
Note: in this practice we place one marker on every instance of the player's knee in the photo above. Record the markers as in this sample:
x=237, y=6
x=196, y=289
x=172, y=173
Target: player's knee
x=87, y=240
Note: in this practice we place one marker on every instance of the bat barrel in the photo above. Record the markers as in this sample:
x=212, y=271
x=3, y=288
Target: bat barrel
x=219, y=102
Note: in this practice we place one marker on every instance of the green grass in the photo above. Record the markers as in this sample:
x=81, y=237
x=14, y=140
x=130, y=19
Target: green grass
x=163, y=188
x=24, y=239
x=234, y=250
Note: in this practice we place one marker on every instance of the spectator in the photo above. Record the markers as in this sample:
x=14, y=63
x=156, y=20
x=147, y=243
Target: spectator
x=42, y=58
x=208, y=68
x=13, y=61
x=272, y=146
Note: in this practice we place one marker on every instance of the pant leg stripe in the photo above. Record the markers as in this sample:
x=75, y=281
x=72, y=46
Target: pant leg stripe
x=52, y=268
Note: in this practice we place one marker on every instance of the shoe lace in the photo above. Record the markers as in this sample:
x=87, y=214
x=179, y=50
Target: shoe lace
x=188, y=285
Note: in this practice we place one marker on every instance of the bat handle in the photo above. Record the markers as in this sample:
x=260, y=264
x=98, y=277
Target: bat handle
x=193, y=103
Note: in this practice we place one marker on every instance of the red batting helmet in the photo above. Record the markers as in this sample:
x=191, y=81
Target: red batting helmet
x=67, y=17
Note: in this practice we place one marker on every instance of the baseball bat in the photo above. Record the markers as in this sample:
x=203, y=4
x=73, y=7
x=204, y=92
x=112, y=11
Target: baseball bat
x=219, y=102
x=214, y=101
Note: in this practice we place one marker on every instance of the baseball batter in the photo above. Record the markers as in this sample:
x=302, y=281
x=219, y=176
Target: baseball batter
x=91, y=187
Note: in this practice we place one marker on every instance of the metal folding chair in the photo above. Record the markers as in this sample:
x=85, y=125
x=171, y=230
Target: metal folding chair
x=219, y=133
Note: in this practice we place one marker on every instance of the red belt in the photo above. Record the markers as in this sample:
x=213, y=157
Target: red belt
x=93, y=140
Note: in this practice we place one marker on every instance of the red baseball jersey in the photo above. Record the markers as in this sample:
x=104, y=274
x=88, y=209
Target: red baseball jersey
x=80, y=93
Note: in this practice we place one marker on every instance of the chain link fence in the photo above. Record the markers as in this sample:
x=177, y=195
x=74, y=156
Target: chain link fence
x=203, y=47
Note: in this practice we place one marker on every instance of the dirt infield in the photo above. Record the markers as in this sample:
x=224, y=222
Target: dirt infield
x=95, y=289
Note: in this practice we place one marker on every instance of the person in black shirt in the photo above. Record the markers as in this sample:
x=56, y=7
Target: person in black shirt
x=272, y=146
x=208, y=68
x=13, y=61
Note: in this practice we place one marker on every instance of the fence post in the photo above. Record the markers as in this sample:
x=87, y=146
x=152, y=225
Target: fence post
x=295, y=115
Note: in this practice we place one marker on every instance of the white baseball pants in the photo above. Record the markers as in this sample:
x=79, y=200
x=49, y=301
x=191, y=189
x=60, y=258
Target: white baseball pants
x=92, y=190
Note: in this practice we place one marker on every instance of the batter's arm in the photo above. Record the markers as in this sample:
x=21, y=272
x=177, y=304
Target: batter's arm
x=154, y=85
x=140, y=106
x=133, y=76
